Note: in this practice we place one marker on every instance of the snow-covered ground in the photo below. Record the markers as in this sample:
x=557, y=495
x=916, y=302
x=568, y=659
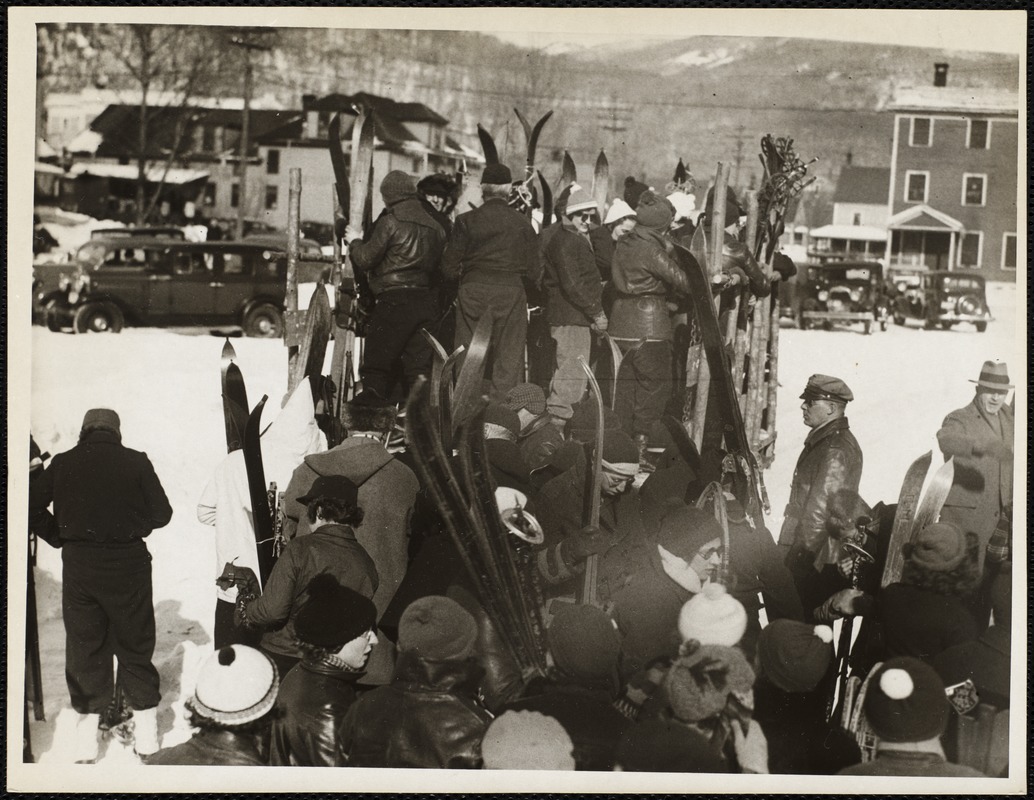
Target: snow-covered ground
x=165, y=386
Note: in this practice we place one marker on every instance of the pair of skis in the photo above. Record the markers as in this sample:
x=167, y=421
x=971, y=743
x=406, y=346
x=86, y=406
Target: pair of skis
x=454, y=400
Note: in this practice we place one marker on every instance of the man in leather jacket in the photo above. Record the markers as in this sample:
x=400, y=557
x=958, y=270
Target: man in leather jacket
x=403, y=251
x=643, y=275
x=830, y=462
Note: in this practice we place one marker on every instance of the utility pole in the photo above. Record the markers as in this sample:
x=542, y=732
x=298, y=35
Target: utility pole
x=739, y=154
x=245, y=39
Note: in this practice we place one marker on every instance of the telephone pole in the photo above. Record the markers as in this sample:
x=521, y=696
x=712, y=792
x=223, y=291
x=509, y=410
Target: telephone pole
x=250, y=40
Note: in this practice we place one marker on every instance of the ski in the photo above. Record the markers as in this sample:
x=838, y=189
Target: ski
x=488, y=146
x=615, y=366
x=471, y=374
x=315, y=338
x=680, y=436
x=547, y=201
x=446, y=389
x=531, y=137
x=589, y=594
x=601, y=183
x=904, y=516
x=261, y=513
x=235, y=399
x=934, y=494
x=568, y=171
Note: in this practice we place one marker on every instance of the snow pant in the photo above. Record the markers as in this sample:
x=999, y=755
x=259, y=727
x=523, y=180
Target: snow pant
x=394, y=341
x=507, y=306
x=569, y=379
x=644, y=384
x=227, y=633
x=107, y=606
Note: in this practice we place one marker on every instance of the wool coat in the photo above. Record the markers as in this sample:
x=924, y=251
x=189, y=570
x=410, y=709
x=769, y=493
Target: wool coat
x=571, y=280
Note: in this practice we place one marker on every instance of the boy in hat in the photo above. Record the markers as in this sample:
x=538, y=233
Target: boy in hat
x=336, y=632
x=539, y=439
x=573, y=300
x=400, y=257
x=107, y=499
x=830, y=462
x=492, y=251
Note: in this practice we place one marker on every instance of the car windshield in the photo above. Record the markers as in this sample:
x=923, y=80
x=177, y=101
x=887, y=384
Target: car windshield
x=842, y=274
x=952, y=284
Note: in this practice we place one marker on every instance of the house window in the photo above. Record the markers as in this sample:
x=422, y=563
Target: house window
x=271, y=196
x=979, y=134
x=917, y=184
x=856, y=219
x=1009, y=251
x=974, y=189
x=235, y=195
x=969, y=249
x=273, y=162
x=922, y=132
x=208, y=198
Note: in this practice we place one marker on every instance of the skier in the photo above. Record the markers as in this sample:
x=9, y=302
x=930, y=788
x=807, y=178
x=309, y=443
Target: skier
x=831, y=461
x=400, y=257
x=491, y=252
x=107, y=499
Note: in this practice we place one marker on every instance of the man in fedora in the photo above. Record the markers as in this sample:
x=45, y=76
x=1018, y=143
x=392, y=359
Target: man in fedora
x=830, y=462
x=980, y=437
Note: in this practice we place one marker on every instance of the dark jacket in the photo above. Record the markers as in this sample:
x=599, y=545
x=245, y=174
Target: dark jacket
x=428, y=717
x=921, y=623
x=404, y=248
x=831, y=461
x=492, y=244
x=603, y=250
x=570, y=279
x=920, y=765
x=312, y=702
x=540, y=442
x=216, y=748
x=987, y=662
x=587, y=715
x=642, y=275
x=332, y=549
x=102, y=493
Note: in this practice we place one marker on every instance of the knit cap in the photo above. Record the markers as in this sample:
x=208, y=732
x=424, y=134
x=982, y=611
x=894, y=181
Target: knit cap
x=397, y=185
x=527, y=740
x=618, y=448
x=498, y=174
x=528, y=396
x=101, y=418
x=437, y=628
x=501, y=422
x=666, y=745
x=618, y=211
x=685, y=529
x=699, y=683
x=939, y=547
x=795, y=656
x=733, y=210
x=237, y=684
x=654, y=212
x=579, y=200
x=713, y=616
x=633, y=191
x=333, y=615
x=582, y=424
x=584, y=643
x=905, y=701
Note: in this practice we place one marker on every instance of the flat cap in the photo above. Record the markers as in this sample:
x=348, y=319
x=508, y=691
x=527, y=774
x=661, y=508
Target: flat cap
x=826, y=387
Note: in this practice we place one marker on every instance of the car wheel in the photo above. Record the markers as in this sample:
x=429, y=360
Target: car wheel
x=98, y=318
x=899, y=320
x=264, y=321
x=946, y=326
x=981, y=326
x=50, y=317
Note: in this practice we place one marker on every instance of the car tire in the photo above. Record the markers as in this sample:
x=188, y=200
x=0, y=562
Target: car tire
x=50, y=318
x=264, y=321
x=98, y=318
x=899, y=320
x=981, y=326
x=946, y=326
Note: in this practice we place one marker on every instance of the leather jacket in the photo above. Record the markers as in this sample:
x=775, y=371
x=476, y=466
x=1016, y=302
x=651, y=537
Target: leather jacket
x=313, y=699
x=404, y=249
x=213, y=748
x=831, y=461
x=428, y=716
x=643, y=274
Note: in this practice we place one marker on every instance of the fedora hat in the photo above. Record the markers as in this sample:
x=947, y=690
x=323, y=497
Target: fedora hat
x=994, y=375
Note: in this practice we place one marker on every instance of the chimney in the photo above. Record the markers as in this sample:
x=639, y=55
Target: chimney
x=940, y=74
x=848, y=158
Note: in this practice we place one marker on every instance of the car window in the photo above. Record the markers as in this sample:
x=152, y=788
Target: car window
x=857, y=274
x=961, y=284
x=234, y=264
x=265, y=267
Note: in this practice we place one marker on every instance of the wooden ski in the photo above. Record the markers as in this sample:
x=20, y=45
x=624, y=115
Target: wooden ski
x=934, y=495
x=589, y=594
x=904, y=516
x=468, y=382
x=313, y=348
x=258, y=491
x=235, y=399
x=601, y=183
x=488, y=146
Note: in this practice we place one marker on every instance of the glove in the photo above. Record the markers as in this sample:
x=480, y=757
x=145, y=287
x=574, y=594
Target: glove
x=995, y=448
x=845, y=603
x=244, y=578
x=784, y=265
x=752, y=749
x=600, y=323
x=586, y=542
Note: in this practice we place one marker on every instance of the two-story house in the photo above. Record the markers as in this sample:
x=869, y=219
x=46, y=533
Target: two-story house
x=860, y=212
x=953, y=179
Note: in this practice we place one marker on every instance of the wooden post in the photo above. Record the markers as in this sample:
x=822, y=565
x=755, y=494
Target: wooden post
x=341, y=346
x=742, y=335
x=773, y=378
x=291, y=321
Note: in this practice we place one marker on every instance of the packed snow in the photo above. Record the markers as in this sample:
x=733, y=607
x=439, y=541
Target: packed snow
x=165, y=386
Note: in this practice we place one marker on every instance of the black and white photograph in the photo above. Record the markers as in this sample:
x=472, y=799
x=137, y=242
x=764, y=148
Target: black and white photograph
x=434, y=392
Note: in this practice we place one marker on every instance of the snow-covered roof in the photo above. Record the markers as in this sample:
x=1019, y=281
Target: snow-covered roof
x=957, y=99
x=858, y=233
x=44, y=150
x=129, y=172
x=86, y=142
x=48, y=169
x=922, y=217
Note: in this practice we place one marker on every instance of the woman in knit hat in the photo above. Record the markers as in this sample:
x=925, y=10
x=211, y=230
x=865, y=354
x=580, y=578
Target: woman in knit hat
x=335, y=629
x=429, y=716
x=232, y=710
x=927, y=612
x=792, y=664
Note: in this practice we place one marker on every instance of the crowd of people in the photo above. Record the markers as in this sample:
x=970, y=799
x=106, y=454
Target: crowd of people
x=709, y=647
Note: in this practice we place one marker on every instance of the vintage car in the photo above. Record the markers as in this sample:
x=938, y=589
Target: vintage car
x=844, y=291
x=157, y=281
x=940, y=298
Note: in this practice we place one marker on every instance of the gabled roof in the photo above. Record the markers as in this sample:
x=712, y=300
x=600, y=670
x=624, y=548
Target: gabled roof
x=381, y=106
x=869, y=185
x=955, y=99
x=129, y=172
x=922, y=217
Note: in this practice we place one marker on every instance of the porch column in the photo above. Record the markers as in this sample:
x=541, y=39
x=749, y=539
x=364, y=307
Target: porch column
x=951, y=250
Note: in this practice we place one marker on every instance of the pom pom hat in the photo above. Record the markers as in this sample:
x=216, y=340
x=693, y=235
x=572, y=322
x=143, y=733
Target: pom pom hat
x=905, y=701
x=713, y=617
x=396, y=186
x=236, y=685
x=579, y=200
x=939, y=547
x=795, y=656
x=527, y=740
x=654, y=212
x=438, y=629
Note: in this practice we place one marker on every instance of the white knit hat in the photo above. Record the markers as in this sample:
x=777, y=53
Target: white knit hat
x=713, y=617
x=684, y=204
x=618, y=210
x=579, y=200
x=237, y=684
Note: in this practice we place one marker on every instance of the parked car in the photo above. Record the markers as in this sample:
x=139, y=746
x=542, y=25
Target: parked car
x=155, y=281
x=845, y=291
x=940, y=298
x=159, y=232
